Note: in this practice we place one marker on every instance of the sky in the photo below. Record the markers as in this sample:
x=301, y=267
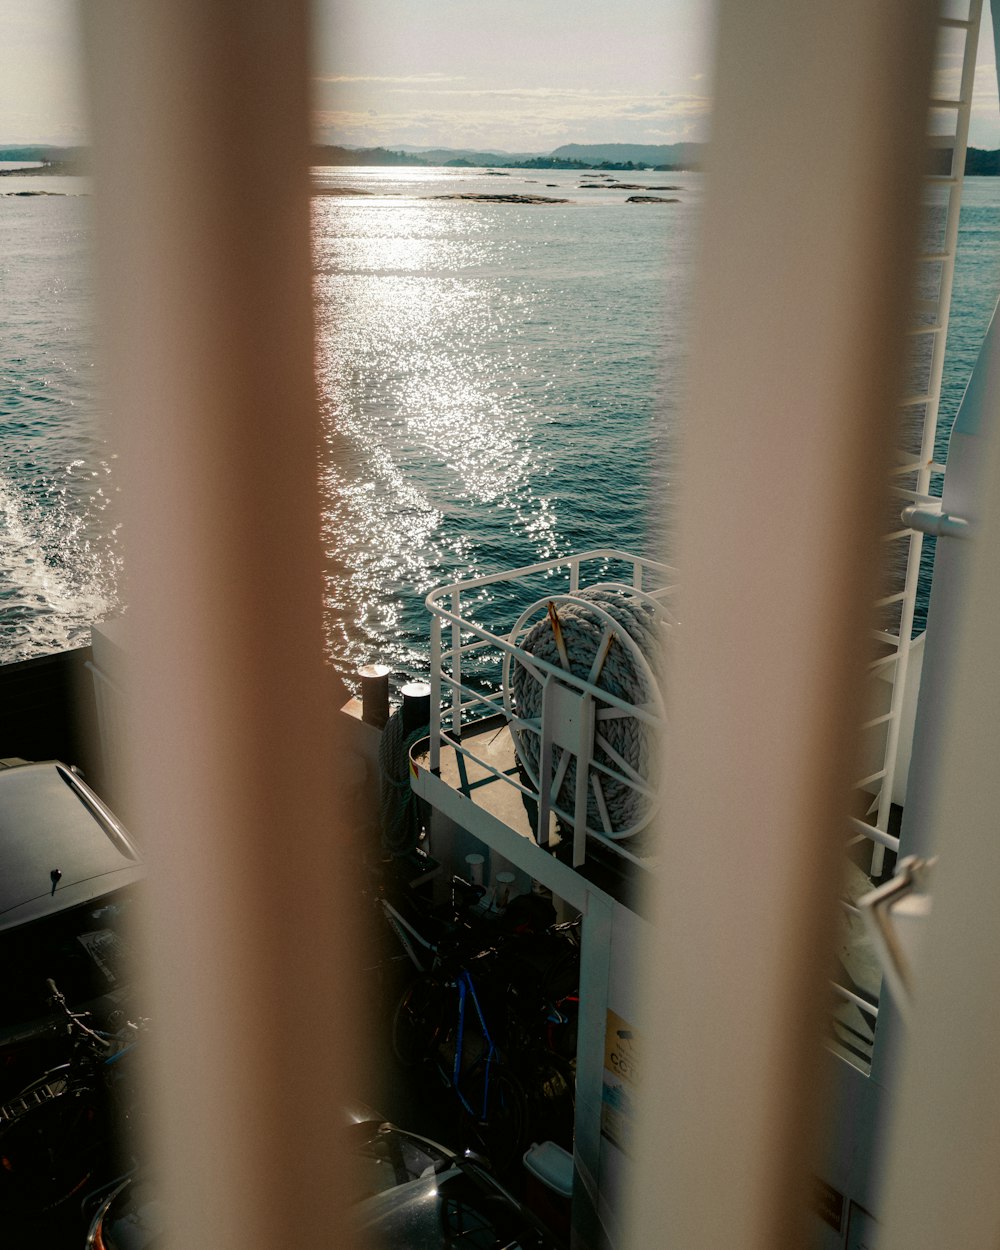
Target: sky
x=513, y=75
x=520, y=75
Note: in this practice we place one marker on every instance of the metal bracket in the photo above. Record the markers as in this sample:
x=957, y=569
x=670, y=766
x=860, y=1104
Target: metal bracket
x=895, y=915
x=567, y=722
x=934, y=522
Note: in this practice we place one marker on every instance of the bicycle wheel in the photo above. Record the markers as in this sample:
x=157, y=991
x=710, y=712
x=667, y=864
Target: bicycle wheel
x=50, y=1151
x=500, y=1100
x=415, y=1023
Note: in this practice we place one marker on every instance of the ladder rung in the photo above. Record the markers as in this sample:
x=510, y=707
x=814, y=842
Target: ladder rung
x=874, y=833
x=910, y=400
x=879, y=720
x=866, y=781
x=947, y=104
x=931, y=327
x=934, y=256
x=944, y=180
x=909, y=466
x=943, y=142
x=896, y=535
x=891, y=640
x=887, y=600
x=955, y=23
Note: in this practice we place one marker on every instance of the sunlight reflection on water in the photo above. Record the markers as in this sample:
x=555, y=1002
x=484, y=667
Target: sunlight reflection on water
x=488, y=376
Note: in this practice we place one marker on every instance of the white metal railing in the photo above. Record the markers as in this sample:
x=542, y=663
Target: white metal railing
x=470, y=680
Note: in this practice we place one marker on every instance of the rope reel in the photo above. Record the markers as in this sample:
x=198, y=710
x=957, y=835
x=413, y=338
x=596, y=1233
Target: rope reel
x=611, y=636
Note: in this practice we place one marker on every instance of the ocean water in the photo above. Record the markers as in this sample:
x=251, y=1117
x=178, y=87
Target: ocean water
x=498, y=385
x=494, y=381
x=59, y=558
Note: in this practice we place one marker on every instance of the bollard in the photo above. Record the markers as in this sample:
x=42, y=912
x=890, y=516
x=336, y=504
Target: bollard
x=416, y=706
x=374, y=694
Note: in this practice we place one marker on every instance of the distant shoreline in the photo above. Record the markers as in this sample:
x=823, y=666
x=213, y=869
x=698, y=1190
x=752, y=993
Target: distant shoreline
x=63, y=162
x=62, y=169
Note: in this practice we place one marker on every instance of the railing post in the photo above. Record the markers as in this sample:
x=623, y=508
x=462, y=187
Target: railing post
x=435, y=760
x=456, y=666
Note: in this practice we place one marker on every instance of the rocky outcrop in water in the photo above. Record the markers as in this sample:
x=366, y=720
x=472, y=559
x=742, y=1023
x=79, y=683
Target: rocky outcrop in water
x=622, y=186
x=650, y=199
x=499, y=199
x=341, y=191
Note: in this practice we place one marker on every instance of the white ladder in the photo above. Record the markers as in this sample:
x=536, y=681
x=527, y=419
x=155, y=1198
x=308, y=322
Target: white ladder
x=916, y=467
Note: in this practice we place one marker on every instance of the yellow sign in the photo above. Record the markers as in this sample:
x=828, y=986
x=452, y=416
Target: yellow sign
x=621, y=1072
x=621, y=1057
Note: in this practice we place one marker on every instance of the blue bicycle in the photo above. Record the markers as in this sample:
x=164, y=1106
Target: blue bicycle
x=484, y=1030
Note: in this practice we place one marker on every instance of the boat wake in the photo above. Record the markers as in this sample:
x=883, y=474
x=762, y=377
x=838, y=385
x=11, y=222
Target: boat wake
x=45, y=605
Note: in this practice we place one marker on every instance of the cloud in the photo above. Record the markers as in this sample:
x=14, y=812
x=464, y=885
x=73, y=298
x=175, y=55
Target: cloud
x=519, y=126
x=443, y=110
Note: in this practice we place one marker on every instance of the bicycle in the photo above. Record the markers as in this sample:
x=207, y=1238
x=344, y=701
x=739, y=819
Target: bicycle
x=440, y=1021
x=468, y=1015
x=60, y=1133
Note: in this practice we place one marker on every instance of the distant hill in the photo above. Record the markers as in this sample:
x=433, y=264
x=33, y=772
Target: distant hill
x=978, y=161
x=331, y=154
x=571, y=156
x=448, y=156
x=679, y=155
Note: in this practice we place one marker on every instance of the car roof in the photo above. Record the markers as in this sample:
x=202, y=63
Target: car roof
x=50, y=820
x=459, y=1203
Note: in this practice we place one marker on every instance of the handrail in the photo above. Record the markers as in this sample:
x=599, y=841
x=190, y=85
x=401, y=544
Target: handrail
x=596, y=553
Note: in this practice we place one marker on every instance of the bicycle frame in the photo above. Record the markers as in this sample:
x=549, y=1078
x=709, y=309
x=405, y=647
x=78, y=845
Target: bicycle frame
x=466, y=987
x=405, y=932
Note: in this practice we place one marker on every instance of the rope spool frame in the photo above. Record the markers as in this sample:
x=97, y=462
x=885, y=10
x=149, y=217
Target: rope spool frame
x=635, y=800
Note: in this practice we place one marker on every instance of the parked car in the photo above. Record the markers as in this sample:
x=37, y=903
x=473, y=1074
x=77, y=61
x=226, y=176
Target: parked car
x=69, y=875
x=413, y=1194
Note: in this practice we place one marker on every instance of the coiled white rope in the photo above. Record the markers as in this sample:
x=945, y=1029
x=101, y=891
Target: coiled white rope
x=574, y=641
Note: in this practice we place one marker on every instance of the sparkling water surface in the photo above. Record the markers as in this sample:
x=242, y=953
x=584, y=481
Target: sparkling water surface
x=496, y=382
x=59, y=560
x=489, y=376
